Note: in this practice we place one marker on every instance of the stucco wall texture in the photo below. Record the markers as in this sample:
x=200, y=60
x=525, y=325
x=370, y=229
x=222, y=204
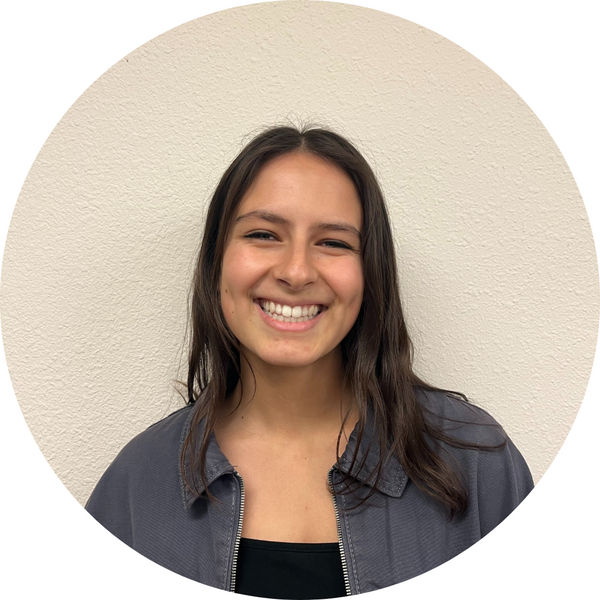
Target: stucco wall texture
x=496, y=256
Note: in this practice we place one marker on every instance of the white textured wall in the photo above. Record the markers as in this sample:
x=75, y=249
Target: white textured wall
x=496, y=255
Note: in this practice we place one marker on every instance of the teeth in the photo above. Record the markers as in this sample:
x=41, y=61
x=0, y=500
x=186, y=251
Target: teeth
x=287, y=314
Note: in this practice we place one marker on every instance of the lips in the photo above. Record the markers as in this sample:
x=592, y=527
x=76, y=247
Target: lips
x=287, y=314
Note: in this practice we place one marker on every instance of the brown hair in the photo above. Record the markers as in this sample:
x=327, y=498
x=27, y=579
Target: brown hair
x=377, y=352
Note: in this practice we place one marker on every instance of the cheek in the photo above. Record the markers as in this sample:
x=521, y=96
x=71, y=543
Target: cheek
x=226, y=302
x=350, y=284
x=226, y=290
x=238, y=275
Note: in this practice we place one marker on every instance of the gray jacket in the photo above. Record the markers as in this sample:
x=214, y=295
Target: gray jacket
x=399, y=533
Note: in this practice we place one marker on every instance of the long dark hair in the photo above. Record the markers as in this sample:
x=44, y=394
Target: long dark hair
x=377, y=352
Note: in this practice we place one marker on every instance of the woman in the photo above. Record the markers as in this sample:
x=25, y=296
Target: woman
x=311, y=461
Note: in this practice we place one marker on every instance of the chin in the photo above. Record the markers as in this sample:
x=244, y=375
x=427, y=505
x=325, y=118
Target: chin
x=278, y=357
x=288, y=361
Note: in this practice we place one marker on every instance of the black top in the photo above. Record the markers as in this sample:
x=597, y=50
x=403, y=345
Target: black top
x=286, y=570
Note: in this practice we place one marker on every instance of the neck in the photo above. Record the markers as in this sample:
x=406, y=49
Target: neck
x=292, y=401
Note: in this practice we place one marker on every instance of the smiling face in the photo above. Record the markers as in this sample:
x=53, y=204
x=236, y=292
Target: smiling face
x=292, y=280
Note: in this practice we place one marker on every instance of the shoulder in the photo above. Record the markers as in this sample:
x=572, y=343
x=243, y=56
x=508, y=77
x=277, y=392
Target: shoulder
x=459, y=418
x=147, y=468
x=156, y=443
x=497, y=474
x=162, y=435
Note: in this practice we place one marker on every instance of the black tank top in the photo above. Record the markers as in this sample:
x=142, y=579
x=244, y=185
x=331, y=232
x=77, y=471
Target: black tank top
x=286, y=570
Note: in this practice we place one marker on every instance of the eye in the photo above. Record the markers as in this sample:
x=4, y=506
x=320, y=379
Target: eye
x=260, y=235
x=336, y=244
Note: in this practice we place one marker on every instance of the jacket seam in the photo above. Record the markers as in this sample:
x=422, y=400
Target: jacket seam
x=226, y=568
x=184, y=431
x=351, y=548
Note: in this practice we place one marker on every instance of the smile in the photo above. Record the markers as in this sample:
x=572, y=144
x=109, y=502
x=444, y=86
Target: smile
x=290, y=314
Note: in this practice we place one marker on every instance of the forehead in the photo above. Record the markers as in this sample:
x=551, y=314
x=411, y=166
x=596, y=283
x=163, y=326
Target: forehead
x=299, y=183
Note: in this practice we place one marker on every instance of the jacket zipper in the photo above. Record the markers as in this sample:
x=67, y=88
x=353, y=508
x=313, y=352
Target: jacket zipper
x=339, y=530
x=238, y=536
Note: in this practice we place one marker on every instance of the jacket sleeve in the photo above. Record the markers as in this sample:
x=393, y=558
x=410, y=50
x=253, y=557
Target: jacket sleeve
x=142, y=483
x=503, y=482
x=110, y=502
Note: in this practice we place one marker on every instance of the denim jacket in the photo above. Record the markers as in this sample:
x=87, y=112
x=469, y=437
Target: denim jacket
x=398, y=533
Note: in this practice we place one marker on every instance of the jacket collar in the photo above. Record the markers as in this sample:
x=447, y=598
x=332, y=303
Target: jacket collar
x=393, y=476
x=392, y=481
x=216, y=462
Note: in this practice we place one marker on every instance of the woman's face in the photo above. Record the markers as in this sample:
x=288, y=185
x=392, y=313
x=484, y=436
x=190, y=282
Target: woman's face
x=292, y=279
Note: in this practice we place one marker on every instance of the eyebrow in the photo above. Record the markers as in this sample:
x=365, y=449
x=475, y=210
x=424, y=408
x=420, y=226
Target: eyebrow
x=265, y=215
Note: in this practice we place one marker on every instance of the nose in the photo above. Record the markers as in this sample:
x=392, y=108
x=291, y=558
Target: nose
x=295, y=268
